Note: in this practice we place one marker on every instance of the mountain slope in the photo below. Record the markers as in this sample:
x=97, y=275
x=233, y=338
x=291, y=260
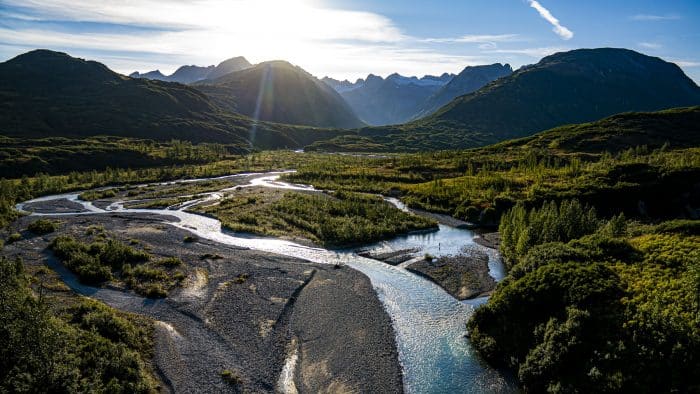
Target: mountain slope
x=277, y=91
x=471, y=79
x=393, y=100
x=569, y=87
x=49, y=94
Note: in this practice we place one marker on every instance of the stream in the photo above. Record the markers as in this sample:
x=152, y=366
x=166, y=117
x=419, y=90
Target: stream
x=434, y=352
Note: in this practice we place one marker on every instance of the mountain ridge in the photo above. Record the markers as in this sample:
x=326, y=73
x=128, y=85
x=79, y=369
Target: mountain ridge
x=280, y=92
x=192, y=73
x=577, y=86
x=45, y=93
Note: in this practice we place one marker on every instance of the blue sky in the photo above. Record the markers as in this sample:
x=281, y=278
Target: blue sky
x=348, y=39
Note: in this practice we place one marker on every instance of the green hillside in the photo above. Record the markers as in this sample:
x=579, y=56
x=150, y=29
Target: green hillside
x=51, y=94
x=569, y=87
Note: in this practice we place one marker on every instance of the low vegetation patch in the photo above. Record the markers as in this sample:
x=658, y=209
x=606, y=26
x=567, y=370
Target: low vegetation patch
x=339, y=219
x=81, y=347
x=92, y=195
x=42, y=226
x=106, y=260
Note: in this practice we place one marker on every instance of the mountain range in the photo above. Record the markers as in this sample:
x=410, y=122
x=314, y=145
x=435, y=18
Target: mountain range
x=379, y=101
x=398, y=99
x=567, y=87
x=190, y=74
x=47, y=94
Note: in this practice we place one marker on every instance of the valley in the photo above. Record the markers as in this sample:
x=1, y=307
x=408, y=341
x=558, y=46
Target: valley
x=249, y=227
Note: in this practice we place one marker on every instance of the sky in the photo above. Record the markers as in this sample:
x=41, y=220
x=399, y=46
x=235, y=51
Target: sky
x=348, y=39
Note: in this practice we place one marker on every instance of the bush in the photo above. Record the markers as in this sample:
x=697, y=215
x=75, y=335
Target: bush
x=14, y=237
x=472, y=214
x=84, y=348
x=42, y=226
x=489, y=217
x=154, y=290
x=170, y=262
x=231, y=377
x=116, y=254
x=189, y=239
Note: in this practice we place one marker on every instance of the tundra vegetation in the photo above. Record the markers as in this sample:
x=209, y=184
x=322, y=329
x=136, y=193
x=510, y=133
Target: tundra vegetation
x=603, y=281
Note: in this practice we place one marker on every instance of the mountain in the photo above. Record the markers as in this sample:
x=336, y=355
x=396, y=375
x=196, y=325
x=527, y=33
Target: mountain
x=393, y=100
x=190, y=74
x=279, y=92
x=157, y=75
x=233, y=64
x=471, y=79
x=51, y=94
x=571, y=87
x=568, y=87
x=339, y=86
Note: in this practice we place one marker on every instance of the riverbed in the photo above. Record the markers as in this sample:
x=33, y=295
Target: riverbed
x=429, y=324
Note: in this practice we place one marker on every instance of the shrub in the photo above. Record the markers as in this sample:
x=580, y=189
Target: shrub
x=472, y=214
x=116, y=254
x=231, y=377
x=42, y=226
x=149, y=274
x=189, y=239
x=489, y=216
x=14, y=237
x=171, y=261
x=154, y=290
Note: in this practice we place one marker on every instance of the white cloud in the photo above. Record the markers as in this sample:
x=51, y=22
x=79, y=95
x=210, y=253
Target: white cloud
x=650, y=45
x=560, y=30
x=322, y=40
x=654, y=18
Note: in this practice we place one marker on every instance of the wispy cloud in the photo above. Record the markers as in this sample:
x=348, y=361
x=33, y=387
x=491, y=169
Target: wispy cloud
x=560, y=30
x=654, y=18
x=687, y=63
x=476, y=38
x=650, y=45
x=531, y=52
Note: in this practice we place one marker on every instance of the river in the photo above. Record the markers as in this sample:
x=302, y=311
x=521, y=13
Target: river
x=434, y=352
